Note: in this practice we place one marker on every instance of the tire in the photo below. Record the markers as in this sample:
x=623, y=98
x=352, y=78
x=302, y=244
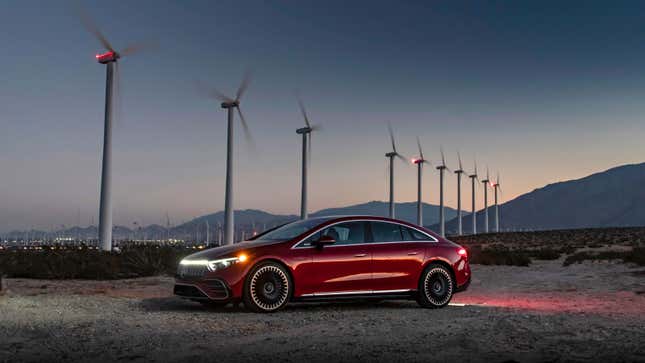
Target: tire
x=436, y=287
x=268, y=288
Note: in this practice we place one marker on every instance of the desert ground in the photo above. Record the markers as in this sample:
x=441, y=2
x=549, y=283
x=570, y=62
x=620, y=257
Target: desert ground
x=544, y=312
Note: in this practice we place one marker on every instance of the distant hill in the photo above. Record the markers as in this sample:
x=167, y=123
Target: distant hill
x=612, y=198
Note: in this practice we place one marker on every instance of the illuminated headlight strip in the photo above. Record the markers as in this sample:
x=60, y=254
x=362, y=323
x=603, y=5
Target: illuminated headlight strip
x=194, y=262
x=214, y=265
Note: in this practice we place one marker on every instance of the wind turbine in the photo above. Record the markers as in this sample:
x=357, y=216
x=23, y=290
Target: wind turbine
x=442, y=218
x=231, y=105
x=306, y=155
x=419, y=162
x=391, y=155
x=485, y=182
x=496, y=187
x=473, y=178
x=459, y=172
x=109, y=58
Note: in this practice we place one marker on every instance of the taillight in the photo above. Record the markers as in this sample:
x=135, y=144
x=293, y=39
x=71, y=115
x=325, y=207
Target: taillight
x=462, y=252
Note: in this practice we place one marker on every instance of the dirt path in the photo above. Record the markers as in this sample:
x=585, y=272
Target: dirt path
x=545, y=312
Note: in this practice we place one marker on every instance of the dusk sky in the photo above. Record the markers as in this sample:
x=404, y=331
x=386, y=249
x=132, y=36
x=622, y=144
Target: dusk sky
x=540, y=91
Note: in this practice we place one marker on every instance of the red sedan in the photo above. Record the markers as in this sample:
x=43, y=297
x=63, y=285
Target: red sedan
x=328, y=258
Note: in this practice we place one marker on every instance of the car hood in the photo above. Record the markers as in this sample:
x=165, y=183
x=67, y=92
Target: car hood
x=228, y=250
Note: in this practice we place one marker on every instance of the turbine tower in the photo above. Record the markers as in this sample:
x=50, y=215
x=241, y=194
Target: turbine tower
x=442, y=217
x=419, y=162
x=459, y=214
x=391, y=155
x=496, y=187
x=109, y=58
x=485, y=182
x=306, y=155
x=473, y=178
x=230, y=105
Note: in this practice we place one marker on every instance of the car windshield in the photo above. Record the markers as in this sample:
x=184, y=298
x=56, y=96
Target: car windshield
x=292, y=230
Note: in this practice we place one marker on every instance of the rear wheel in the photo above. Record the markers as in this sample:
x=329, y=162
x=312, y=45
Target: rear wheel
x=268, y=288
x=436, y=287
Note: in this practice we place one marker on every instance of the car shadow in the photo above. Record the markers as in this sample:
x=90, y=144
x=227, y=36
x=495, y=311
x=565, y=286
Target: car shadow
x=176, y=304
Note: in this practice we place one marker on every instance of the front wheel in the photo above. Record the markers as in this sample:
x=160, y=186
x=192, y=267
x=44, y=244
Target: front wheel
x=436, y=287
x=268, y=288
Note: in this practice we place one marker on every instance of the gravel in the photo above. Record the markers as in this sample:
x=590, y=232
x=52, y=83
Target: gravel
x=545, y=312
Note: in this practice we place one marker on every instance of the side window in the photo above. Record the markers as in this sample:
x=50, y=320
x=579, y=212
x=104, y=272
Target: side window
x=346, y=233
x=307, y=242
x=415, y=235
x=385, y=232
x=407, y=235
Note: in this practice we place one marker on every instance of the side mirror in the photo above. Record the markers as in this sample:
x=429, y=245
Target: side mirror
x=325, y=241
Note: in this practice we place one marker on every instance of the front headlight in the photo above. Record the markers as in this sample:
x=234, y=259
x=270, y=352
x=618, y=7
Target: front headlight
x=214, y=265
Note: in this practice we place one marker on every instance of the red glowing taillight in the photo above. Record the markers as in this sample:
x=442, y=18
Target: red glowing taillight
x=462, y=252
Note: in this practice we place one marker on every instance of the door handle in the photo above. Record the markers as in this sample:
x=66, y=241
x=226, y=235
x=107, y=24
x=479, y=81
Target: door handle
x=360, y=255
x=412, y=253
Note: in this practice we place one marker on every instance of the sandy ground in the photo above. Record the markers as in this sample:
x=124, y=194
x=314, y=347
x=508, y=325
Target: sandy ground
x=545, y=312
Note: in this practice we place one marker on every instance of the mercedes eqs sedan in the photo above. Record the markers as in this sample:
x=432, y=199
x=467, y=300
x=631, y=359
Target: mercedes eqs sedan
x=328, y=258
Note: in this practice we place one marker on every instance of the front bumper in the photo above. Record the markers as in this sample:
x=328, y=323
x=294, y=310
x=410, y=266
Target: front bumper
x=211, y=289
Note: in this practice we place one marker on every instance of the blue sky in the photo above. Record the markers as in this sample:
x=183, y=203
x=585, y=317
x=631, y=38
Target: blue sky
x=540, y=91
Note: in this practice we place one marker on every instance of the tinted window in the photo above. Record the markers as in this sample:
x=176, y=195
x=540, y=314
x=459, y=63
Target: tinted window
x=414, y=235
x=406, y=233
x=344, y=233
x=386, y=232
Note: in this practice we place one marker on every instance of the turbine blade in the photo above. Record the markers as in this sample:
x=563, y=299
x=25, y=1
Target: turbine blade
x=244, y=85
x=91, y=27
x=309, y=151
x=420, y=151
x=389, y=128
x=212, y=92
x=443, y=156
x=460, y=164
x=138, y=47
x=402, y=158
x=116, y=96
x=316, y=127
x=304, y=112
x=245, y=126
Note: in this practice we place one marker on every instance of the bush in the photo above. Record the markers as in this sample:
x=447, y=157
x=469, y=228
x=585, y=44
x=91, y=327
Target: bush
x=91, y=264
x=636, y=255
x=498, y=255
x=545, y=253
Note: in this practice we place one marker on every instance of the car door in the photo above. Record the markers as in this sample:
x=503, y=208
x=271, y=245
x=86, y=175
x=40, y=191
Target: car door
x=397, y=256
x=344, y=267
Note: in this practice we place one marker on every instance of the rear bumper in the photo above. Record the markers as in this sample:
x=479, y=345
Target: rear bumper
x=212, y=289
x=464, y=286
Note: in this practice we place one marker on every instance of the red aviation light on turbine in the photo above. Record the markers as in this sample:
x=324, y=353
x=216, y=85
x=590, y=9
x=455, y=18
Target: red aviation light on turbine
x=107, y=57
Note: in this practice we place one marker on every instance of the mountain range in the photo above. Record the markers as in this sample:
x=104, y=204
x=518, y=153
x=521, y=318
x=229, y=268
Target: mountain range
x=612, y=198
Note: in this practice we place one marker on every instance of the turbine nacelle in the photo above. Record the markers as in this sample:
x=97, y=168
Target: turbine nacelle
x=230, y=104
x=304, y=130
x=107, y=57
x=392, y=154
